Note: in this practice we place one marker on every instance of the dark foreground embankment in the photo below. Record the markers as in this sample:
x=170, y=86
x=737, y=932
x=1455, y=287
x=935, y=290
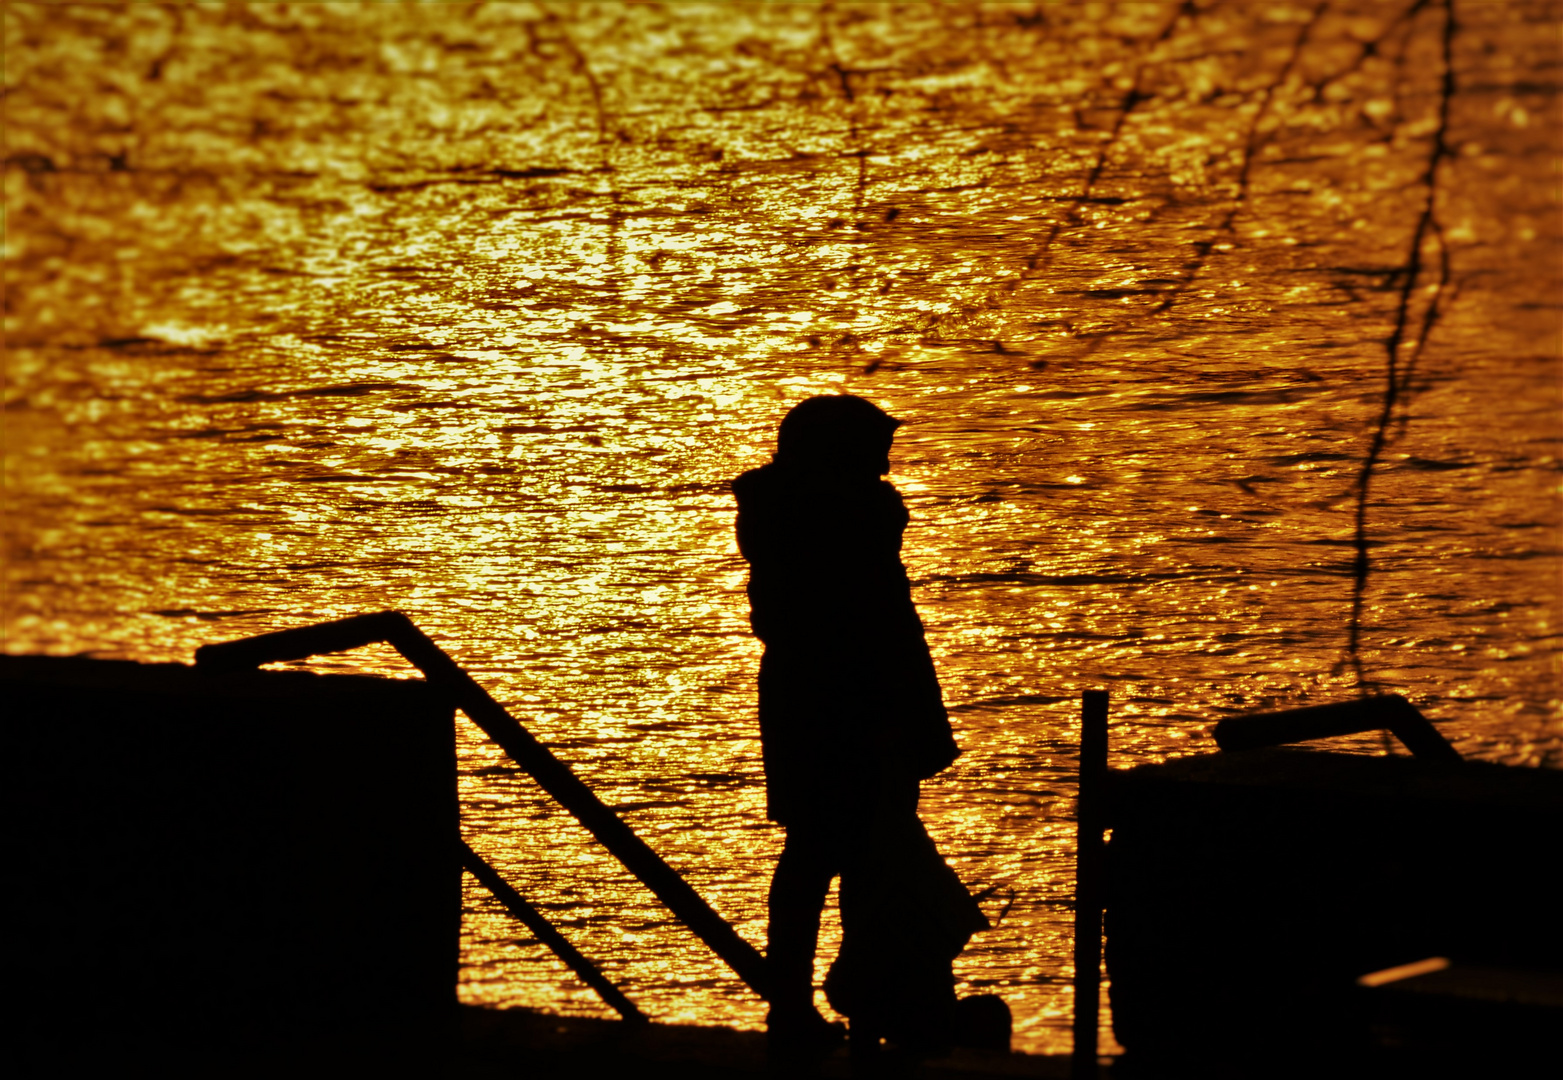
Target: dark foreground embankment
x=495, y=1044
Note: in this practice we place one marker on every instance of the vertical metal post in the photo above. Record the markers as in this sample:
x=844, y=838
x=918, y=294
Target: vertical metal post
x=1091, y=819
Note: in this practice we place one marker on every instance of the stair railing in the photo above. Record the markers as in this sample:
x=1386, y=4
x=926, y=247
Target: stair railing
x=551, y=774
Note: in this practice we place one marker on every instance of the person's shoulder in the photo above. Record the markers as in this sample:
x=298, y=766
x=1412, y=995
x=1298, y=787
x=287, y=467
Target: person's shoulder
x=887, y=501
x=754, y=484
x=885, y=493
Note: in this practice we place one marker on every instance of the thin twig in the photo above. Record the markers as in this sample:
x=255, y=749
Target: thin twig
x=1250, y=150
x=1131, y=99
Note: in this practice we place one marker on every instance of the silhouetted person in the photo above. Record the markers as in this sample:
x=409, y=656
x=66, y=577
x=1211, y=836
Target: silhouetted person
x=851, y=717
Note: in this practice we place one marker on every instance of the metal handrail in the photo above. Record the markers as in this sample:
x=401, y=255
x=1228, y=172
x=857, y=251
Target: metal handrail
x=1388, y=712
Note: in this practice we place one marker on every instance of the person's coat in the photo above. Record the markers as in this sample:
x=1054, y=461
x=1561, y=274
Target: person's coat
x=848, y=691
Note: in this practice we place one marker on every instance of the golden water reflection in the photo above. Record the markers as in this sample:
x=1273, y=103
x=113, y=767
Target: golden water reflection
x=472, y=313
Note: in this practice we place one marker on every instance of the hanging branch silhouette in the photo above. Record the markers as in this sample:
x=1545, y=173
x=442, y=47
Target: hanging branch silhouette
x=997, y=295
x=1397, y=381
x=1131, y=99
x=1252, y=143
x=1368, y=48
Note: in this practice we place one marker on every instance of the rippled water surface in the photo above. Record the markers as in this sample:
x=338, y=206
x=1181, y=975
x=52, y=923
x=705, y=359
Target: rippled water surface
x=473, y=311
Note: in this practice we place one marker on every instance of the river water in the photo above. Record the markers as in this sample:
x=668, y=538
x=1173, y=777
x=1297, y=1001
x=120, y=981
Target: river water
x=473, y=311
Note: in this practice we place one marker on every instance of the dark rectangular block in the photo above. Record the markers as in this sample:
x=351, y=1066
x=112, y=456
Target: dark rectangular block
x=1249, y=890
x=253, y=865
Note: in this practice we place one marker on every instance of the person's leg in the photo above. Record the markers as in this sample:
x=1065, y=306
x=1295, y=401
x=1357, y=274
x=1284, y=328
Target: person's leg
x=798, y=891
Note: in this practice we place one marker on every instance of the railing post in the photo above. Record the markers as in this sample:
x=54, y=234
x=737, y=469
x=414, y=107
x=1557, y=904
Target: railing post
x=1091, y=819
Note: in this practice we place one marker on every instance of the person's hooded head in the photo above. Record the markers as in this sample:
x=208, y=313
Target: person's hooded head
x=836, y=435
